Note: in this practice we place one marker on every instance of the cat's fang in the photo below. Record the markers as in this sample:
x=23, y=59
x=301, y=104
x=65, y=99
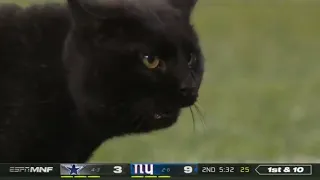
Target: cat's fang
x=157, y=116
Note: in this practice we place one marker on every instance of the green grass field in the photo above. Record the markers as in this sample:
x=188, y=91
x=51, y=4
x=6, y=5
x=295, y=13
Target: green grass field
x=261, y=90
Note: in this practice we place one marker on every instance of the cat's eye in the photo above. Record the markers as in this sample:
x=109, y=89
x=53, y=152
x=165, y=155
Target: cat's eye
x=151, y=61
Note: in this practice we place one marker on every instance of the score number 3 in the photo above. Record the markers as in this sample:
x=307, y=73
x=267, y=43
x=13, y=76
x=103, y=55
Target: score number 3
x=117, y=169
x=188, y=169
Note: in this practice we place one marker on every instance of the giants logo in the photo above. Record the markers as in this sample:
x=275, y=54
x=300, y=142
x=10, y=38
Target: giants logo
x=142, y=169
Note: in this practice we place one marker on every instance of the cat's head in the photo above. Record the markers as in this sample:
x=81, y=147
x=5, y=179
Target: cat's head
x=138, y=60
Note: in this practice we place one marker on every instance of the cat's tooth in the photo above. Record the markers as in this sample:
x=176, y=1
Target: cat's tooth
x=157, y=116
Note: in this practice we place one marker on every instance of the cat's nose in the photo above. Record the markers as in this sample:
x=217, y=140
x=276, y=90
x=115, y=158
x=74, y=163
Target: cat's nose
x=189, y=87
x=188, y=96
x=188, y=92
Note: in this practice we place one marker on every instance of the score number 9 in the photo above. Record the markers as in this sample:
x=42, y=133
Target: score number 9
x=188, y=169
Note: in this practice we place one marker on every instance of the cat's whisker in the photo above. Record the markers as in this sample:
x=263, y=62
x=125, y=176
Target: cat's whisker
x=201, y=112
x=199, y=109
x=193, y=119
x=139, y=124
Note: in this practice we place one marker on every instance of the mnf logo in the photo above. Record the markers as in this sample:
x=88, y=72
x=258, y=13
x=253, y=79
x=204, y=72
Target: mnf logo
x=30, y=169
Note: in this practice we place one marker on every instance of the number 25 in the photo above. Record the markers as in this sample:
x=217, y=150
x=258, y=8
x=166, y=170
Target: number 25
x=244, y=169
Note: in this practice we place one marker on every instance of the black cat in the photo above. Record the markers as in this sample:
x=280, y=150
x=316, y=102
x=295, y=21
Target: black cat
x=72, y=77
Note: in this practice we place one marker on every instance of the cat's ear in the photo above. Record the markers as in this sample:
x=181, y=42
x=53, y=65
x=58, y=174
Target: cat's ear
x=79, y=13
x=185, y=6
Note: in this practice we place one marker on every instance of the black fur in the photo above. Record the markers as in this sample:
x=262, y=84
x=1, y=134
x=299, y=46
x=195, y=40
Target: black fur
x=72, y=76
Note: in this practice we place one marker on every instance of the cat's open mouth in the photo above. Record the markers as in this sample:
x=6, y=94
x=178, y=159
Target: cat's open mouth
x=163, y=115
x=158, y=115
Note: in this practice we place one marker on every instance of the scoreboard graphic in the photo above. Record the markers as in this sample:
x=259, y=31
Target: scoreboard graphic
x=158, y=170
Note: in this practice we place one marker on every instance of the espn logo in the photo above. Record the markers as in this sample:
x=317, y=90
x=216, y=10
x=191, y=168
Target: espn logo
x=30, y=169
x=142, y=169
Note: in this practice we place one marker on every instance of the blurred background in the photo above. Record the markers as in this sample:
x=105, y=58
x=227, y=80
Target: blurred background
x=261, y=89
